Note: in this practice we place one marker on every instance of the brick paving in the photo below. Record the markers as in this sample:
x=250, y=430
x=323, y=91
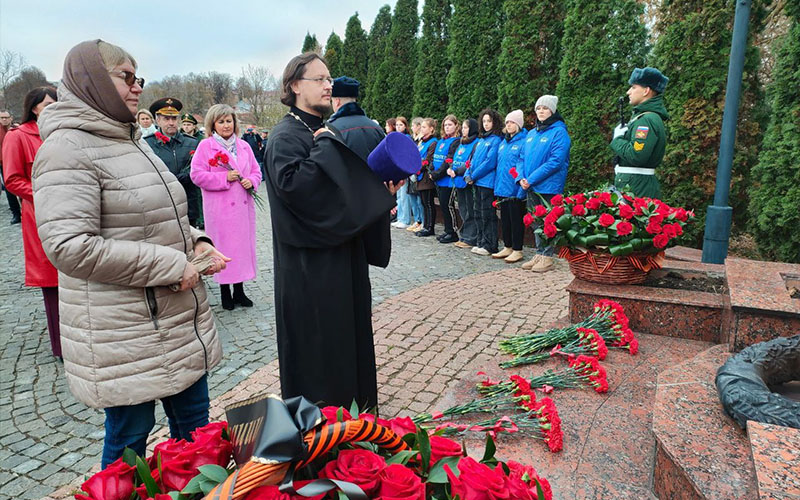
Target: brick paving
x=437, y=308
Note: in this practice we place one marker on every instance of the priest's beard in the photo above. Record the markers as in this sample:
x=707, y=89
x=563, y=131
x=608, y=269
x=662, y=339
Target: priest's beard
x=323, y=109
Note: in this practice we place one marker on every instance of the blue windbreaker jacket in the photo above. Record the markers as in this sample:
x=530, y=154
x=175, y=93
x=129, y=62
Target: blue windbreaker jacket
x=545, y=159
x=484, y=161
x=507, y=156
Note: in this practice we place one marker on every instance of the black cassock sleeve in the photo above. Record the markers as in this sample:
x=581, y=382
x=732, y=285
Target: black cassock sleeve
x=378, y=242
x=324, y=196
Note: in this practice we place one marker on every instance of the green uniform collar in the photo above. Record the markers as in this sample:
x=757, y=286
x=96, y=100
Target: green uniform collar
x=652, y=105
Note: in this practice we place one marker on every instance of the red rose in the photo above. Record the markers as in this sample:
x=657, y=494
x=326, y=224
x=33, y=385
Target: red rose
x=513, y=172
x=402, y=426
x=578, y=210
x=550, y=230
x=660, y=241
x=176, y=474
x=477, y=481
x=213, y=429
x=169, y=449
x=115, y=482
x=681, y=214
x=540, y=211
x=557, y=200
x=670, y=231
x=400, y=483
x=655, y=218
x=494, y=204
x=207, y=449
x=579, y=198
x=606, y=220
x=626, y=212
x=330, y=412
x=605, y=197
x=653, y=228
x=442, y=447
x=528, y=475
x=528, y=219
x=624, y=228
x=557, y=211
x=592, y=203
x=360, y=467
x=369, y=417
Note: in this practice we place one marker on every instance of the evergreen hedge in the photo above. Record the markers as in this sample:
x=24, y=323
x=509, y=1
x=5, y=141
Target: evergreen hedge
x=393, y=81
x=376, y=52
x=333, y=54
x=430, y=90
x=354, y=53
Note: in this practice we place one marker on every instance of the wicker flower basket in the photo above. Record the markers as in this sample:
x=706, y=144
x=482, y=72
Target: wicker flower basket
x=600, y=267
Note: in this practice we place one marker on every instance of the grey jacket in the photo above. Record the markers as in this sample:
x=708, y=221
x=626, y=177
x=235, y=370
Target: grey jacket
x=113, y=221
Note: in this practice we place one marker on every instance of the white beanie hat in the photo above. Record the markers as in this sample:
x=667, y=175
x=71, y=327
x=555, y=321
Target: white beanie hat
x=517, y=117
x=548, y=101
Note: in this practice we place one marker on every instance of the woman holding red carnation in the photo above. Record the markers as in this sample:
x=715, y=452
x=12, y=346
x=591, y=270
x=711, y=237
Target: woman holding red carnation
x=114, y=222
x=543, y=167
x=510, y=194
x=225, y=169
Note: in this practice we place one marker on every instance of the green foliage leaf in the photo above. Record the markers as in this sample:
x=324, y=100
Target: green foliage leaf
x=193, y=486
x=129, y=457
x=489, y=451
x=147, y=478
x=206, y=486
x=402, y=457
x=438, y=475
x=424, y=443
x=214, y=472
x=354, y=409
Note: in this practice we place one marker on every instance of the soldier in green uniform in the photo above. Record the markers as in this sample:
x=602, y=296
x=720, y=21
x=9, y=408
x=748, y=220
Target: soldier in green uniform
x=189, y=127
x=640, y=144
x=175, y=149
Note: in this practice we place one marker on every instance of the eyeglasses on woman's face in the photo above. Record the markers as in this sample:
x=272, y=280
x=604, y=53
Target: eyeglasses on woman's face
x=129, y=78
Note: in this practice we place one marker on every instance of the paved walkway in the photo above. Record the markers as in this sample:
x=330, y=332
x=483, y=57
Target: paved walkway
x=48, y=439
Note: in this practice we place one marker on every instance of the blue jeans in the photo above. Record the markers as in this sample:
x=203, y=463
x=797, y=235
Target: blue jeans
x=533, y=200
x=403, y=205
x=129, y=426
x=416, y=207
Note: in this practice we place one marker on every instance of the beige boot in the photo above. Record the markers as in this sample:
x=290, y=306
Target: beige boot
x=528, y=265
x=513, y=257
x=502, y=254
x=544, y=264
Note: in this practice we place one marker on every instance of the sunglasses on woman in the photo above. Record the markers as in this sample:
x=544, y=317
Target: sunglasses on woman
x=129, y=78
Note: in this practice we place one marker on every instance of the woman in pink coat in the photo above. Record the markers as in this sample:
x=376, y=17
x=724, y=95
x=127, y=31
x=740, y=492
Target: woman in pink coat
x=226, y=170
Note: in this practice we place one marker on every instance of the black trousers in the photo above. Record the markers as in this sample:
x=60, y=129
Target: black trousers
x=428, y=210
x=447, y=202
x=487, y=218
x=512, y=210
x=13, y=202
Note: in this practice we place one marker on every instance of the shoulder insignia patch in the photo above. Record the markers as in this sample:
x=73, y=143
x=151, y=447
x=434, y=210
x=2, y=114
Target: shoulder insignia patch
x=638, y=146
x=641, y=132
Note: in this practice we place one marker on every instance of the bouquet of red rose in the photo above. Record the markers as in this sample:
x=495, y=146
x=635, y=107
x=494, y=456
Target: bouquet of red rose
x=609, y=221
x=221, y=160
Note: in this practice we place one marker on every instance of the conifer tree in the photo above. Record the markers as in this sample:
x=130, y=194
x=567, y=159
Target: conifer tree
x=333, y=55
x=430, y=78
x=376, y=52
x=775, y=200
x=394, y=92
x=476, y=33
x=310, y=43
x=693, y=51
x=530, y=53
x=354, y=55
x=602, y=43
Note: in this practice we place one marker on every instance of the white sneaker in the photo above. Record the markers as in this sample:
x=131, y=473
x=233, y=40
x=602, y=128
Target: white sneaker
x=399, y=225
x=480, y=251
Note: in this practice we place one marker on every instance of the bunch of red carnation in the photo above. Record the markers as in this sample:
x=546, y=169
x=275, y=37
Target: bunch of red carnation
x=610, y=220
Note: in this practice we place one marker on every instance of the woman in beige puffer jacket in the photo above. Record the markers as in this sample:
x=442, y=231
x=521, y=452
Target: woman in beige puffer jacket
x=113, y=221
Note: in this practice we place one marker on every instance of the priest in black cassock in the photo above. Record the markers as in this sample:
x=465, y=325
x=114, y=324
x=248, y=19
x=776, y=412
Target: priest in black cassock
x=330, y=221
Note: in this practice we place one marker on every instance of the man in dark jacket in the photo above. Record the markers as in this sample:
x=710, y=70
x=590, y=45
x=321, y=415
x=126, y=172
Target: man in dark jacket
x=359, y=132
x=13, y=203
x=175, y=149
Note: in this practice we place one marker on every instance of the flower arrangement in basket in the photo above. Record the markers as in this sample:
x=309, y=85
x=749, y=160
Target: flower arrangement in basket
x=296, y=451
x=610, y=236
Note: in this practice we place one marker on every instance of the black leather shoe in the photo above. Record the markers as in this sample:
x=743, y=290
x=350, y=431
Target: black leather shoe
x=16, y=219
x=425, y=232
x=448, y=238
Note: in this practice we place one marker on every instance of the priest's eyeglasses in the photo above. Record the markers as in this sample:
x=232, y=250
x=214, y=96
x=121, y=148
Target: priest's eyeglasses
x=321, y=79
x=130, y=78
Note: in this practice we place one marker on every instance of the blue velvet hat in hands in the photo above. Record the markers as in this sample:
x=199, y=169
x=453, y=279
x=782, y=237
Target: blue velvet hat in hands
x=395, y=158
x=649, y=77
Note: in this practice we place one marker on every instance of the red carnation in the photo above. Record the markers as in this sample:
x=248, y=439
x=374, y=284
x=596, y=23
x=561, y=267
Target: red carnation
x=528, y=219
x=626, y=212
x=424, y=163
x=660, y=241
x=467, y=163
x=606, y=220
x=513, y=172
x=213, y=162
x=494, y=204
x=540, y=211
x=191, y=152
x=550, y=230
x=624, y=228
x=448, y=160
x=592, y=203
x=557, y=200
x=670, y=231
x=578, y=210
x=681, y=214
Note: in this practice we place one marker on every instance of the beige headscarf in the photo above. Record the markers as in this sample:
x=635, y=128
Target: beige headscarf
x=86, y=76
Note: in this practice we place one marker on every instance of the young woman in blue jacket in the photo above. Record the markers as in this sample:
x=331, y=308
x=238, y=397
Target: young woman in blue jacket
x=425, y=185
x=543, y=168
x=511, y=197
x=481, y=174
x=468, y=233
x=445, y=188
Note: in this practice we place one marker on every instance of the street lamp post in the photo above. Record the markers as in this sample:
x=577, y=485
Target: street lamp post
x=719, y=215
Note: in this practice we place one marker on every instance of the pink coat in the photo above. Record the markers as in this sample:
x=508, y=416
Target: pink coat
x=228, y=209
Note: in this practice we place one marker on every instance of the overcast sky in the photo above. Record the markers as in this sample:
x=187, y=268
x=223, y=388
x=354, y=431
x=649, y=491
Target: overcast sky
x=177, y=37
